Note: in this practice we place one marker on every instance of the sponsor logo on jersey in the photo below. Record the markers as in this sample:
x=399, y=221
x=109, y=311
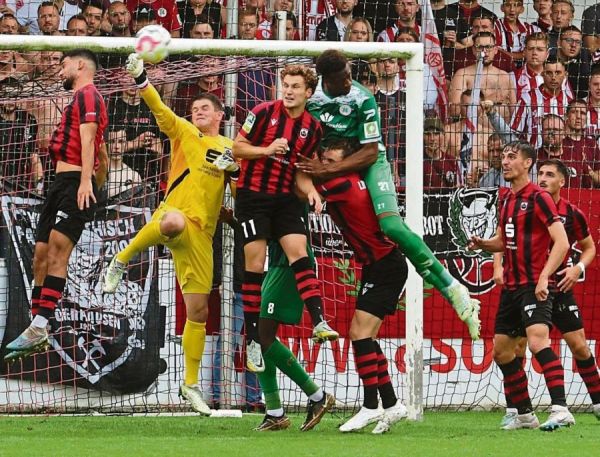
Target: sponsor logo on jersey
x=371, y=130
x=326, y=117
x=273, y=121
x=345, y=110
x=249, y=123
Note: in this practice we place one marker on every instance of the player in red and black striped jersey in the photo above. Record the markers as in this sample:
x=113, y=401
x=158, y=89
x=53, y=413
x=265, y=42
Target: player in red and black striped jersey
x=383, y=278
x=75, y=149
x=535, y=244
x=269, y=144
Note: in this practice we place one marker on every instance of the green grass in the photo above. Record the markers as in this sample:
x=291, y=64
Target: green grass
x=440, y=434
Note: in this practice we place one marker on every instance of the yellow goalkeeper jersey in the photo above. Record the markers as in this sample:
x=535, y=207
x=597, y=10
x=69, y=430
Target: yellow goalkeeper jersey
x=195, y=186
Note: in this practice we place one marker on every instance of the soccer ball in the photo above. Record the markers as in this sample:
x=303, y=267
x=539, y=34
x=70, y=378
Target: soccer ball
x=151, y=43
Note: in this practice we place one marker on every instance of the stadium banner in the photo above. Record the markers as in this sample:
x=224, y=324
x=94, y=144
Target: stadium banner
x=451, y=217
x=98, y=341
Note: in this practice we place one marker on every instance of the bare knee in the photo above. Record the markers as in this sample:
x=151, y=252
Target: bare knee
x=579, y=347
x=172, y=224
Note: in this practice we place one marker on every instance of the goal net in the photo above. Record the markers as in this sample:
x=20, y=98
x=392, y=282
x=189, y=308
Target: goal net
x=123, y=353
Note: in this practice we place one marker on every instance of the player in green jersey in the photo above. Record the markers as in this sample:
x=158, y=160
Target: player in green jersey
x=348, y=110
x=281, y=304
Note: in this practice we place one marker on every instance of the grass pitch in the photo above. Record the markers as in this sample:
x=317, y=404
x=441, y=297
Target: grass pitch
x=444, y=434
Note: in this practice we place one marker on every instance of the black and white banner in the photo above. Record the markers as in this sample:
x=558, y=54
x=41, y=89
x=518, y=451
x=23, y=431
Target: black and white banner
x=105, y=342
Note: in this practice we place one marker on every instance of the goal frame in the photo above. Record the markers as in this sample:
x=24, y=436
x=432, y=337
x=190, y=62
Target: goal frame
x=411, y=53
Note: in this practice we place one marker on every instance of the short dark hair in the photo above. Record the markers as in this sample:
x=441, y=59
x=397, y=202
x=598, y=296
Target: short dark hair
x=348, y=146
x=98, y=4
x=76, y=17
x=523, y=148
x=45, y=4
x=331, y=61
x=481, y=16
x=216, y=101
x=484, y=34
x=576, y=101
x=86, y=54
x=570, y=28
x=560, y=166
x=554, y=60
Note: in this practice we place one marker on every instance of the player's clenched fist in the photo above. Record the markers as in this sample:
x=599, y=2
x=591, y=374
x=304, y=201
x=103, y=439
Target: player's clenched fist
x=279, y=146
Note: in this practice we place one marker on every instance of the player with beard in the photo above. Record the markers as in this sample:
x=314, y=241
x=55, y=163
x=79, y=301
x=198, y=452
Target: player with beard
x=534, y=242
x=348, y=110
x=566, y=316
x=75, y=149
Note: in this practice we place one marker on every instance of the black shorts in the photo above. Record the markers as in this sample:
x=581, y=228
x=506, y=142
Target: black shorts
x=382, y=283
x=565, y=312
x=519, y=309
x=265, y=216
x=60, y=211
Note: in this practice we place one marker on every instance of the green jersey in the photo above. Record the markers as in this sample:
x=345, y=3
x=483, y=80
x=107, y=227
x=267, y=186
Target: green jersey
x=354, y=115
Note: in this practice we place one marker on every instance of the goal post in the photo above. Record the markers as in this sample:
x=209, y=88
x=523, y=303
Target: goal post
x=411, y=53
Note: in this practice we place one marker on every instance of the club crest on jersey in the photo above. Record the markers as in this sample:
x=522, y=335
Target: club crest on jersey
x=303, y=133
x=523, y=206
x=472, y=212
x=249, y=123
x=345, y=110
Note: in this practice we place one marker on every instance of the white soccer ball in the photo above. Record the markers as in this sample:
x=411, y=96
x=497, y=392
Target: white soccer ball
x=151, y=43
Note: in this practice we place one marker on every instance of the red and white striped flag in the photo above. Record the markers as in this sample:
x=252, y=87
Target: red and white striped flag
x=435, y=60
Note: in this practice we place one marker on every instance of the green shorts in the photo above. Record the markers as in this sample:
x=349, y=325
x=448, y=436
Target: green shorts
x=380, y=183
x=280, y=298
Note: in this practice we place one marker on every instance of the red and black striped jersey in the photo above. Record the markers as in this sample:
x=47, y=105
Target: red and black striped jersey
x=576, y=226
x=524, y=220
x=349, y=205
x=268, y=121
x=87, y=106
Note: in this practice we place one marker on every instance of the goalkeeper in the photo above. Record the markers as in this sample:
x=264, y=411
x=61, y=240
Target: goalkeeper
x=185, y=221
x=348, y=110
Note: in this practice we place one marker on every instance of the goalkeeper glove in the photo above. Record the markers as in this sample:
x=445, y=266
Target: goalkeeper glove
x=135, y=67
x=226, y=162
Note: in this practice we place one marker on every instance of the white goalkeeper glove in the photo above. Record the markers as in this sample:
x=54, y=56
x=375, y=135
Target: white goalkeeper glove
x=226, y=162
x=135, y=67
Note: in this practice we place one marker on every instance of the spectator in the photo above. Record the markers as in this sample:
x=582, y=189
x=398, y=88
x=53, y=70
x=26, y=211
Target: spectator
x=593, y=103
x=48, y=19
x=446, y=27
x=462, y=56
x=407, y=17
x=544, y=10
x=576, y=119
x=334, y=27
x=391, y=100
x=440, y=170
x=210, y=82
x=254, y=86
x=77, y=26
x=265, y=26
x=205, y=11
x=379, y=13
x=590, y=26
x=143, y=148
x=580, y=155
x=13, y=66
x=291, y=28
x=142, y=17
x=577, y=60
x=119, y=19
x=461, y=12
x=94, y=12
x=165, y=13
x=8, y=25
x=494, y=177
x=359, y=29
x=369, y=81
x=28, y=14
x=496, y=84
x=511, y=32
x=201, y=30
x=562, y=17
x=21, y=168
x=529, y=76
x=549, y=98
x=455, y=132
x=121, y=177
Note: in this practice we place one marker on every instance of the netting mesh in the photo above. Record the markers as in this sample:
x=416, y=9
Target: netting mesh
x=123, y=353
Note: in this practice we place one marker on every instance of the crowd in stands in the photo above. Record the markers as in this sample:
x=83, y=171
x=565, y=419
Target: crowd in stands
x=535, y=69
